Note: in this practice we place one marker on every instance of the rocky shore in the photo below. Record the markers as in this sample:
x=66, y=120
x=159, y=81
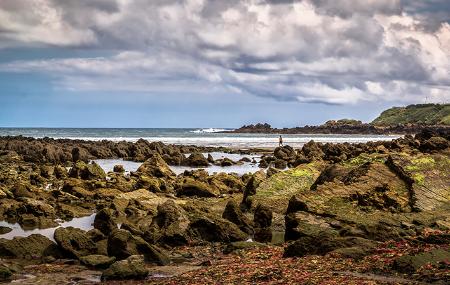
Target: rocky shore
x=374, y=213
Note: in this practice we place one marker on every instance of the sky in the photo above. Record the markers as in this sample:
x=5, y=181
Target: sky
x=218, y=63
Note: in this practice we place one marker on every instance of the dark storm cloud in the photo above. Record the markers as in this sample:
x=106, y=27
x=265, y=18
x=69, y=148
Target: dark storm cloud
x=330, y=51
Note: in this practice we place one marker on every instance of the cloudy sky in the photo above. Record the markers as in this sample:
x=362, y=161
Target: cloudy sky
x=218, y=63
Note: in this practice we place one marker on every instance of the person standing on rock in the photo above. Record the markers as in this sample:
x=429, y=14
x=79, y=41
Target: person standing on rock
x=280, y=141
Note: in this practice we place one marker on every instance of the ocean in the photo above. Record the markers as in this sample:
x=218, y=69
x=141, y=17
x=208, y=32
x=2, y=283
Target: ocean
x=189, y=136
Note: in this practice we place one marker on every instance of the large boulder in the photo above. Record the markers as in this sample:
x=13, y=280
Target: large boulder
x=169, y=226
x=131, y=268
x=74, y=242
x=104, y=221
x=33, y=246
x=234, y=214
x=156, y=166
x=122, y=244
x=196, y=159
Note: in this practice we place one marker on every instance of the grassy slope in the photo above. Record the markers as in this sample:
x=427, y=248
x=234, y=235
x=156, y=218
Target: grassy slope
x=431, y=114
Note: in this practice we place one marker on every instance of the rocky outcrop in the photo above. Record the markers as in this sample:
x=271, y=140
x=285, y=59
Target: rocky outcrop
x=33, y=246
x=375, y=200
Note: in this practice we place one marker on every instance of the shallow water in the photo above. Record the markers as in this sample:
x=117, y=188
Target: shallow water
x=108, y=164
x=84, y=223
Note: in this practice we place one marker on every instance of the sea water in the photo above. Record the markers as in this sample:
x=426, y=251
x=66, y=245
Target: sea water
x=193, y=136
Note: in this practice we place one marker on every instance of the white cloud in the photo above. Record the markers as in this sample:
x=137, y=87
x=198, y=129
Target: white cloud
x=329, y=51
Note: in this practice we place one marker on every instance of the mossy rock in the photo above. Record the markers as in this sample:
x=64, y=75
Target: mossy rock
x=275, y=191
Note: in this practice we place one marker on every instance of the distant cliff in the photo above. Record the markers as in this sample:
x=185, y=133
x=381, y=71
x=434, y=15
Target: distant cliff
x=422, y=114
x=398, y=120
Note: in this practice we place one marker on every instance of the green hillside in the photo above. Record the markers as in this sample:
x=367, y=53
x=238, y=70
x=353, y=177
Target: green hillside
x=429, y=114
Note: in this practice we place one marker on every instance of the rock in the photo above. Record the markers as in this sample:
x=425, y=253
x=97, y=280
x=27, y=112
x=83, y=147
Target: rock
x=118, y=168
x=74, y=242
x=191, y=187
x=434, y=144
x=331, y=172
x=210, y=158
x=226, y=183
x=196, y=159
x=262, y=217
x=322, y=244
x=86, y=171
x=131, y=268
x=252, y=184
x=97, y=261
x=280, y=164
x=150, y=183
x=122, y=244
x=263, y=221
x=312, y=151
x=215, y=230
x=75, y=187
x=133, y=229
x=33, y=246
x=227, y=162
x=156, y=166
x=4, y=230
x=169, y=226
x=5, y=273
x=80, y=154
x=104, y=221
x=95, y=235
x=234, y=214
x=411, y=263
